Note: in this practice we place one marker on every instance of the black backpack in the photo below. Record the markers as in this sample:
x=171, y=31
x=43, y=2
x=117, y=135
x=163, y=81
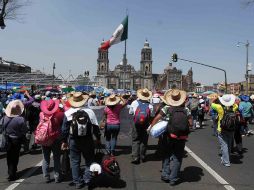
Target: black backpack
x=32, y=116
x=229, y=120
x=178, y=123
x=80, y=125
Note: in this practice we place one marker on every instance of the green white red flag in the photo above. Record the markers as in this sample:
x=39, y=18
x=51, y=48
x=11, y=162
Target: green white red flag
x=120, y=34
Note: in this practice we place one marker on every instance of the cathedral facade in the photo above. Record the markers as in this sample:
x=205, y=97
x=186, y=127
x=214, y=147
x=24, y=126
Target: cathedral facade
x=124, y=76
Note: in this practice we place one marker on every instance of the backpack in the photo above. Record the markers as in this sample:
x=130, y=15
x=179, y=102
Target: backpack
x=229, y=120
x=32, y=116
x=110, y=165
x=194, y=105
x=178, y=123
x=45, y=134
x=80, y=124
x=142, y=114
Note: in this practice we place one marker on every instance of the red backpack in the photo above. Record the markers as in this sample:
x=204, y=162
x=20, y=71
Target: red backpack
x=110, y=166
x=142, y=114
x=45, y=134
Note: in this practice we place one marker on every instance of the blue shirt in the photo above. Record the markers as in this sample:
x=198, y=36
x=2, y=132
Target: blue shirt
x=245, y=109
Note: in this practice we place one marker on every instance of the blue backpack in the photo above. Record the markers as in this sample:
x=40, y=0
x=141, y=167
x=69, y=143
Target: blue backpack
x=142, y=114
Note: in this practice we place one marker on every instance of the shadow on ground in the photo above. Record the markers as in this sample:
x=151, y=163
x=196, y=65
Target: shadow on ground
x=191, y=174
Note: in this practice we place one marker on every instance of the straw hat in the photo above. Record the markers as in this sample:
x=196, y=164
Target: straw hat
x=70, y=94
x=227, y=99
x=144, y=94
x=213, y=96
x=194, y=95
x=112, y=100
x=14, y=109
x=49, y=106
x=78, y=99
x=163, y=97
x=175, y=97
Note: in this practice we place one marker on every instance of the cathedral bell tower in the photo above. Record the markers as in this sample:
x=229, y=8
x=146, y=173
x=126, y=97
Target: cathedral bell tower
x=146, y=60
x=102, y=61
x=146, y=67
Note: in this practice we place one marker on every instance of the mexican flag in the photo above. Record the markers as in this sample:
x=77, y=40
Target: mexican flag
x=120, y=34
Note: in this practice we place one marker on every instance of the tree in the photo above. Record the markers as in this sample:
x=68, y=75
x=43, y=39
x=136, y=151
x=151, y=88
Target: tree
x=9, y=9
x=248, y=2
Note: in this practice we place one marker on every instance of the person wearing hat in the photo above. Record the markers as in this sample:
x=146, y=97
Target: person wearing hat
x=173, y=146
x=213, y=113
x=222, y=105
x=50, y=110
x=32, y=117
x=139, y=133
x=16, y=129
x=92, y=101
x=158, y=117
x=80, y=144
x=114, y=105
x=246, y=110
x=193, y=104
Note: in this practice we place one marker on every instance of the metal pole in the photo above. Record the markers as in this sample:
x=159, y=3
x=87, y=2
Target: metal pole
x=124, y=65
x=54, y=66
x=211, y=67
x=247, y=72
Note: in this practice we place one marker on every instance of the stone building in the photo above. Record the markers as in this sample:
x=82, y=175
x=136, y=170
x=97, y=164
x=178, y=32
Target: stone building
x=124, y=76
x=10, y=66
x=173, y=78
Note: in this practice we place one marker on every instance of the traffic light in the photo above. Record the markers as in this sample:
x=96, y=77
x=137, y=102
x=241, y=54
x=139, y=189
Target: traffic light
x=174, y=57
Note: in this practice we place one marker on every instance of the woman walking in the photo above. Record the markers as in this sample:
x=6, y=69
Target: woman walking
x=50, y=111
x=112, y=115
x=16, y=129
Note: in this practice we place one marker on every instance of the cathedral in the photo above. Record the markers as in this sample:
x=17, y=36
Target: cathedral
x=124, y=76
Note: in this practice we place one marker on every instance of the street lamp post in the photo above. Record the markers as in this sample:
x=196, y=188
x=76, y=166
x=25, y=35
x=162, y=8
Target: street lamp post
x=247, y=44
x=54, y=67
x=175, y=58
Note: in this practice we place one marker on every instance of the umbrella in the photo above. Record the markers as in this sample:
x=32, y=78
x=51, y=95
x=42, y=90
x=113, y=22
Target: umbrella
x=85, y=88
x=68, y=89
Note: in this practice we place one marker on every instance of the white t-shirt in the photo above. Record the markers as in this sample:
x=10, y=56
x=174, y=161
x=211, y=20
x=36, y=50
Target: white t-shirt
x=90, y=112
x=155, y=100
x=134, y=106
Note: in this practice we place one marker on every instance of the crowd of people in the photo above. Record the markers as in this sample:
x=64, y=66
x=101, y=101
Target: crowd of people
x=67, y=123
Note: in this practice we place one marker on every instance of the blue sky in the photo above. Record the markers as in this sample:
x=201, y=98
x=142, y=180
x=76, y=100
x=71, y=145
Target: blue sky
x=70, y=32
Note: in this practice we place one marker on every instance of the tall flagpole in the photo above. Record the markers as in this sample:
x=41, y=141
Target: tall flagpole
x=124, y=65
x=124, y=60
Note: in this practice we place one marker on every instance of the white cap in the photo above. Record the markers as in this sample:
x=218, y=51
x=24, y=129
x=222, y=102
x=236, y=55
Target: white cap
x=95, y=168
x=48, y=93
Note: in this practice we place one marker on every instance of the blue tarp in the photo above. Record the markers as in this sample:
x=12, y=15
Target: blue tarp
x=10, y=85
x=85, y=88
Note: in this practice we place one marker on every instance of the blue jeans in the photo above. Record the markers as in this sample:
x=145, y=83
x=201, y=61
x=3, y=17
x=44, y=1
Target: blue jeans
x=173, y=156
x=225, y=140
x=215, y=125
x=194, y=114
x=46, y=150
x=84, y=146
x=111, y=134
